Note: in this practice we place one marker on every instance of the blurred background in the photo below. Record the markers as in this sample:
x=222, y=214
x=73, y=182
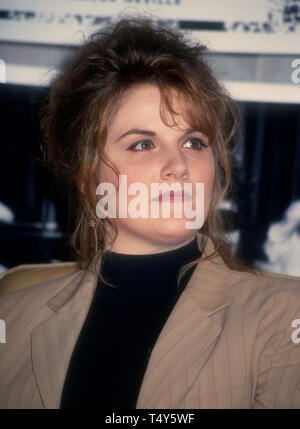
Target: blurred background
x=254, y=49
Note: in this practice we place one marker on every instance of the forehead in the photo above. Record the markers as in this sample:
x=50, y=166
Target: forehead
x=143, y=105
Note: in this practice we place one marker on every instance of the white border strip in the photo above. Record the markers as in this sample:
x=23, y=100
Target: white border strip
x=264, y=92
x=234, y=42
x=240, y=91
x=29, y=75
x=250, y=43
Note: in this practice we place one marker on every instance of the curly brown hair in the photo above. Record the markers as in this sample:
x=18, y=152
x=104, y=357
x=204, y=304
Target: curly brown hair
x=85, y=94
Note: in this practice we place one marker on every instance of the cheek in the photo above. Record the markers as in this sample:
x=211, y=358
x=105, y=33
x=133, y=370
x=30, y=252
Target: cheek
x=133, y=175
x=211, y=177
x=205, y=173
x=209, y=192
x=106, y=174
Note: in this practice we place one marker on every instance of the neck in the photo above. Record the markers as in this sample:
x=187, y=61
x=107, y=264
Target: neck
x=142, y=278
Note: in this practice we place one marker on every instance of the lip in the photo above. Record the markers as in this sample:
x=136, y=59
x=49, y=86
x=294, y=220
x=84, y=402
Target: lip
x=174, y=196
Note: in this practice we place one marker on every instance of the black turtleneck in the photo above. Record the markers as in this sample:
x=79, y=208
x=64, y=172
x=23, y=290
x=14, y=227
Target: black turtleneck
x=122, y=325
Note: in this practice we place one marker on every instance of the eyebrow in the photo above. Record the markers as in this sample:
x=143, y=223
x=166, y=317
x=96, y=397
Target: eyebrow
x=150, y=133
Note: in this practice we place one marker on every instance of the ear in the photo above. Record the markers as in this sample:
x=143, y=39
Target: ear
x=81, y=183
x=82, y=188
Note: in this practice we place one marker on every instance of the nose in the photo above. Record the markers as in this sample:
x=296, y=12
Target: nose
x=174, y=165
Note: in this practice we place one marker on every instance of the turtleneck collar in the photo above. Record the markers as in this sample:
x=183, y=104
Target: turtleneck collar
x=140, y=279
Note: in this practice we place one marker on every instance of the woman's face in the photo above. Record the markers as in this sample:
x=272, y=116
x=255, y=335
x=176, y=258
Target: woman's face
x=147, y=151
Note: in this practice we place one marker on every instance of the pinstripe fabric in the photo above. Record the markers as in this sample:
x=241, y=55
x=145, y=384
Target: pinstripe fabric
x=226, y=344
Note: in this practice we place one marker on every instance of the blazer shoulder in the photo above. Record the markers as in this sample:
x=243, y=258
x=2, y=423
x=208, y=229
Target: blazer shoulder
x=268, y=291
x=22, y=276
x=35, y=284
x=270, y=282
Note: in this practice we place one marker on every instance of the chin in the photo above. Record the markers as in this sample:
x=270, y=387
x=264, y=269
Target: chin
x=157, y=232
x=173, y=231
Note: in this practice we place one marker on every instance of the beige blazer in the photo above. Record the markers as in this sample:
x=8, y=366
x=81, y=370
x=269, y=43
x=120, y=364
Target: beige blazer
x=228, y=343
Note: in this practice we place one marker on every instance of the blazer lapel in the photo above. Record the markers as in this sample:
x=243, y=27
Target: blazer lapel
x=184, y=343
x=53, y=340
x=181, y=351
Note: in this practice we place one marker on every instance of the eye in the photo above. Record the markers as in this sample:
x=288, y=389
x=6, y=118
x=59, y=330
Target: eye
x=141, y=146
x=195, y=143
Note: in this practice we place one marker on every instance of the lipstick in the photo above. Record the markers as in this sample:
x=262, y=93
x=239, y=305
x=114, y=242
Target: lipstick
x=174, y=196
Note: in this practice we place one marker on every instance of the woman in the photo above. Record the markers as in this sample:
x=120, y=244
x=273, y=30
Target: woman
x=158, y=314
